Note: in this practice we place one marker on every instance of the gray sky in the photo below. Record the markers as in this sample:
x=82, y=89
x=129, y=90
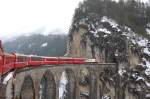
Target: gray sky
x=24, y=16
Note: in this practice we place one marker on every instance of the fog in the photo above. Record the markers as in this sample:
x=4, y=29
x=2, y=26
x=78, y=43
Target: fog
x=24, y=17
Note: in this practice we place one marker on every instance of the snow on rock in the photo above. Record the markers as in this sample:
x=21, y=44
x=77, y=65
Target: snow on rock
x=133, y=41
x=105, y=97
x=94, y=28
x=122, y=71
x=147, y=64
x=94, y=32
x=146, y=51
x=134, y=75
x=147, y=83
x=62, y=85
x=136, y=39
x=147, y=95
x=8, y=77
x=105, y=35
x=40, y=92
x=104, y=30
x=142, y=42
x=148, y=31
x=140, y=78
x=148, y=25
x=147, y=72
x=44, y=44
x=112, y=22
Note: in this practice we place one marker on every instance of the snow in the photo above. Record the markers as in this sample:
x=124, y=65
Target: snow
x=140, y=78
x=62, y=85
x=93, y=26
x=104, y=30
x=136, y=39
x=127, y=28
x=85, y=93
x=112, y=22
x=44, y=44
x=105, y=35
x=146, y=51
x=147, y=83
x=105, y=97
x=116, y=54
x=134, y=75
x=133, y=41
x=40, y=92
x=94, y=32
x=147, y=95
x=142, y=42
x=147, y=71
x=148, y=31
x=148, y=64
x=121, y=72
x=8, y=77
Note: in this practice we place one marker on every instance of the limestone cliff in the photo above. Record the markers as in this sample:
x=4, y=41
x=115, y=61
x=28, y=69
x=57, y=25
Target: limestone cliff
x=101, y=37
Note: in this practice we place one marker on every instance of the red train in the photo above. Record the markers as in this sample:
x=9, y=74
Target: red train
x=17, y=61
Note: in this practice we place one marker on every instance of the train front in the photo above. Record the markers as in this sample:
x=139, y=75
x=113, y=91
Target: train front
x=1, y=57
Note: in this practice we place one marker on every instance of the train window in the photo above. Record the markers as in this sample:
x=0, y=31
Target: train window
x=51, y=59
x=22, y=58
x=9, y=59
x=34, y=58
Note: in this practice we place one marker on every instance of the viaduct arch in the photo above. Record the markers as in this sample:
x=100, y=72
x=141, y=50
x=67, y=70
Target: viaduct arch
x=43, y=82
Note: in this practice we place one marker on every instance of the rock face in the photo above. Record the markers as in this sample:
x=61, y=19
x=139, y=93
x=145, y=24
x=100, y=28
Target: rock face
x=107, y=41
x=2, y=91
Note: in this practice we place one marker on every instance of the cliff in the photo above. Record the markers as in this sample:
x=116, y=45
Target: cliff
x=99, y=35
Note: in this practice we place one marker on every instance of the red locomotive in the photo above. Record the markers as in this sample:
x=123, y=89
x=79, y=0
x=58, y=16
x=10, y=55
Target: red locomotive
x=17, y=61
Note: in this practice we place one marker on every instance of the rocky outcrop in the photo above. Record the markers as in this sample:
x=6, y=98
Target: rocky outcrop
x=103, y=38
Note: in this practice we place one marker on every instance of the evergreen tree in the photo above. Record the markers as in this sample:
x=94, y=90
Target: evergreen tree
x=132, y=13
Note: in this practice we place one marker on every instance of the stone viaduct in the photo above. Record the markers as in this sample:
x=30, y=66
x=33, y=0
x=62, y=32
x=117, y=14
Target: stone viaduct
x=83, y=82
